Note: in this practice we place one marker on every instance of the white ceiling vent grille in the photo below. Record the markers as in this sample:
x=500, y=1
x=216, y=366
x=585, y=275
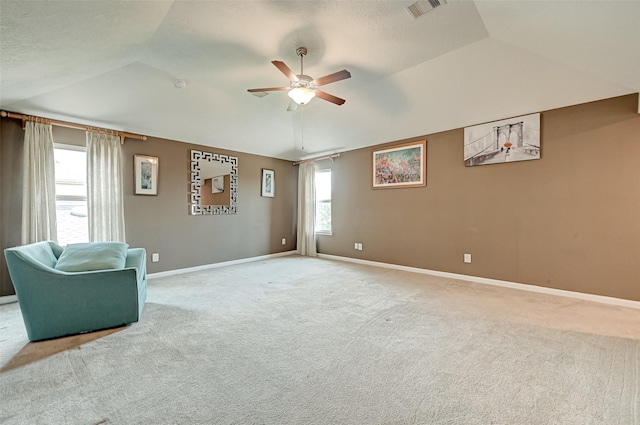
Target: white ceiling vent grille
x=421, y=7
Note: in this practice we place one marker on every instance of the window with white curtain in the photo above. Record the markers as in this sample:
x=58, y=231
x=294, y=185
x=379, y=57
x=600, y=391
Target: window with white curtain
x=323, y=201
x=71, y=193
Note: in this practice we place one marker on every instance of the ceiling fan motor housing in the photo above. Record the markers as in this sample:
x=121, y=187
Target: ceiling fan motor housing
x=304, y=81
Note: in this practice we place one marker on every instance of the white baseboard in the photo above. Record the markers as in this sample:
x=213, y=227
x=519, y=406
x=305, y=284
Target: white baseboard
x=216, y=265
x=8, y=299
x=503, y=283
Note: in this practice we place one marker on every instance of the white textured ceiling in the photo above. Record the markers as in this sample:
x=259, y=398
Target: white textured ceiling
x=113, y=64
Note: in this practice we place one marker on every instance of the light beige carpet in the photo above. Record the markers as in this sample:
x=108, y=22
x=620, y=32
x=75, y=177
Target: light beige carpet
x=310, y=341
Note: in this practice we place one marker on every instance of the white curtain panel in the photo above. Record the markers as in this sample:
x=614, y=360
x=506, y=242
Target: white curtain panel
x=39, y=185
x=105, y=204
x=307, y=209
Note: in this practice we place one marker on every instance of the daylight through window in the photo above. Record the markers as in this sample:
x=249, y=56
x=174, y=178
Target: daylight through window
x=323, y=201
x=71, y=194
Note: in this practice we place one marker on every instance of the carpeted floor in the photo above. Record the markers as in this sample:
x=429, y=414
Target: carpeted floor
x=297, y=340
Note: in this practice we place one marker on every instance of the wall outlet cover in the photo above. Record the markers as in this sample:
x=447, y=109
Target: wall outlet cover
x=155, y=257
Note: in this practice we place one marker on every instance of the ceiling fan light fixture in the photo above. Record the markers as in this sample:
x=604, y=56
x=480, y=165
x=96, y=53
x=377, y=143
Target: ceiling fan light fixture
x=302, y=95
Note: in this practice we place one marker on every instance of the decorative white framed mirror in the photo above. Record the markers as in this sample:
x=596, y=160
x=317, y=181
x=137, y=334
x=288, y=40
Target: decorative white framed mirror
x=214, y=184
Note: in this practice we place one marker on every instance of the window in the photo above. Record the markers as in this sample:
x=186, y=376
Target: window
x=323, y=201
x=71, y=194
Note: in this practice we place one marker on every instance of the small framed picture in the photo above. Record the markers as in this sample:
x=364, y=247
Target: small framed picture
x=217, y=184
x=268, y=183
x=145, y=174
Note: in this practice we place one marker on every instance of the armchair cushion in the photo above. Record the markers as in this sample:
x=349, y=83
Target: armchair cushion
x=83, y=257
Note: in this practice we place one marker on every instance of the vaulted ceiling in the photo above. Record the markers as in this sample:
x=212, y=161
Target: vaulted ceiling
x=114, y=63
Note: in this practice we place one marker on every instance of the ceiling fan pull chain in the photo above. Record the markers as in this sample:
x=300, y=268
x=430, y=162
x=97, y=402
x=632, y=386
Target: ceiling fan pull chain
x=302, y=129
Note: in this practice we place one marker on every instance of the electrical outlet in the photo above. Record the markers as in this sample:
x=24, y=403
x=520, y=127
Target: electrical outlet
x=467, y=258
x=355, y=245
x=284, y=241
x=359, y=246
x=155, y=257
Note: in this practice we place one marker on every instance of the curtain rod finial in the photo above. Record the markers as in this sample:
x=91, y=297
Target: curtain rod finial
x=4, y=114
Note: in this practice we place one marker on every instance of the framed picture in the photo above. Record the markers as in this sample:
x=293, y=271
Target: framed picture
x=400, y=166
x=268, y=183
x=510, y=140
x=145, y=174
x=217, y=184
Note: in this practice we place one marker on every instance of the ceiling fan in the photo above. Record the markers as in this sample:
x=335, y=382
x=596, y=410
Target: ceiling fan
x=303, y=88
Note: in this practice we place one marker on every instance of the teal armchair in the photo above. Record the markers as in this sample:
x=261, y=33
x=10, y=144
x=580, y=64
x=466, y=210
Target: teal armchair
x=57, y=303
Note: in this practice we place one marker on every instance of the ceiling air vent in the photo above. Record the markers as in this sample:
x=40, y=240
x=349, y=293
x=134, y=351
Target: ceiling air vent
x=421, y=7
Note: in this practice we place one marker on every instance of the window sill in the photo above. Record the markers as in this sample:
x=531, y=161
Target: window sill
x=324, y=233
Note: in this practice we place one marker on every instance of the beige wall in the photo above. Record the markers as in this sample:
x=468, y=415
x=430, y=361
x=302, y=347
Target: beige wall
x=570, y=220
x=162, y=223
x=10, y=194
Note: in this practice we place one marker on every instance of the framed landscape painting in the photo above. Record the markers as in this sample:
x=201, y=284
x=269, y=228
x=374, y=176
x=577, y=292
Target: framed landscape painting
x=145, y=174
x=510, y=140
x=400, y=166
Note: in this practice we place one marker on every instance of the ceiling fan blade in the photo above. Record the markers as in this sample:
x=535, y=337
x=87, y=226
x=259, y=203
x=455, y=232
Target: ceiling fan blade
x=293, y=106
x=285, y=70
x=332, y=78
x=268, y=89
x=329, y=97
